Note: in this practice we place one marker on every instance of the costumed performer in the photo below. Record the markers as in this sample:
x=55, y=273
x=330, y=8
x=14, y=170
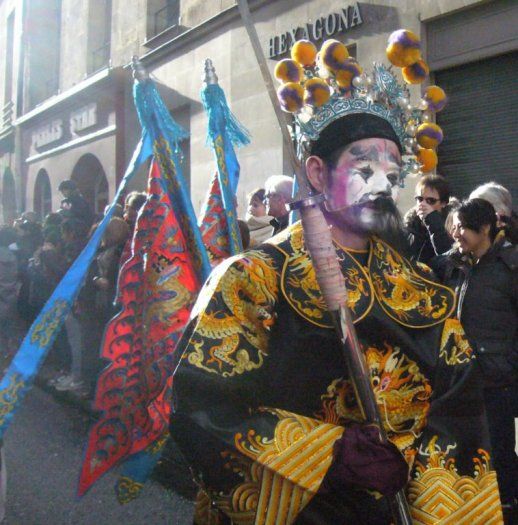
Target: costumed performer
x=264, y=408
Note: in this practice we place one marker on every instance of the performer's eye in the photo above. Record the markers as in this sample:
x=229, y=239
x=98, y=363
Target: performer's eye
x=393, y=178
x=366, y=172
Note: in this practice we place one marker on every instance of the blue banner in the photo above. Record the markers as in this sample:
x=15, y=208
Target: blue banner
x=22, y=370
x=225, y=131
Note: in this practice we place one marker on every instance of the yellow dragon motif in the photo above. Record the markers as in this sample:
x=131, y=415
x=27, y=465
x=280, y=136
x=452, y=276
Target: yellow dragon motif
x=405, y=295
x=231, y=334
x=301, y=289
x=401, y=390
x=455, y=348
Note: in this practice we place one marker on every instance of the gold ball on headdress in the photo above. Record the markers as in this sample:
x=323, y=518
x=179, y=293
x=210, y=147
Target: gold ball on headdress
x=288, y=70
x=416, y=73
x=316, y=92
x=427, y=158
x=429, y=135
x=304, y=52
x=333, y=55
x=404, y=48
x=436, y=98
x=351, y=69
x=290, y=96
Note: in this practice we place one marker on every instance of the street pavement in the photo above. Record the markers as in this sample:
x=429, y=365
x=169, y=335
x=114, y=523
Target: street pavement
x=43, y=451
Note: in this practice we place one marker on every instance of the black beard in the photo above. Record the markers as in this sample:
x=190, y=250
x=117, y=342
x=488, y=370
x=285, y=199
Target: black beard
x=385, y=221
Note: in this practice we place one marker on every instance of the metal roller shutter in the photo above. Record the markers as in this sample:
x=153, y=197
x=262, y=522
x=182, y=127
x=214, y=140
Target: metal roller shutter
x=480, y=125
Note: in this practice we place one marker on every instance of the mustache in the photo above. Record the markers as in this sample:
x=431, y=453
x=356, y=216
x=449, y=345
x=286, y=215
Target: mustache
x=382, y=204
x=388, y=224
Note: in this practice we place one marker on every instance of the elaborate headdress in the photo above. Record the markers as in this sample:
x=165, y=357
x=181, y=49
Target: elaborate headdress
x=321, y=88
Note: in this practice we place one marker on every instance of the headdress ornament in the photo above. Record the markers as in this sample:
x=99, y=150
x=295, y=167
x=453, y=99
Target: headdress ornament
x=321, y=88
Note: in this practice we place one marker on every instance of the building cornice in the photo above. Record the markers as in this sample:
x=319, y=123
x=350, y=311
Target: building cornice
x=91, y=82
x=207, y=27
x=105, y=132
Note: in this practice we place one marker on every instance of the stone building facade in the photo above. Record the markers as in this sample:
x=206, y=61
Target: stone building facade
x=65, y=85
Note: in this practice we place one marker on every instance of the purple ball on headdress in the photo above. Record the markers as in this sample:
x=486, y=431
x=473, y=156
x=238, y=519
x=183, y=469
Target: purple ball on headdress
x=416, y=73
x=288, y=70
x=436, y=98
x=316, y=92
x=290, y=96
x=429, y=135
x=350, y=69
x=333, y=54
x=404, y=48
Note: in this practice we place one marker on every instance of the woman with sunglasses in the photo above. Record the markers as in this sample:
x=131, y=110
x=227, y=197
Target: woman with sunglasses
x=425, y=221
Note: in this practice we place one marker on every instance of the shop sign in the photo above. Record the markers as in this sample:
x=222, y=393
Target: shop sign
x=48, y=133
x=83, y=118
x=323, y=27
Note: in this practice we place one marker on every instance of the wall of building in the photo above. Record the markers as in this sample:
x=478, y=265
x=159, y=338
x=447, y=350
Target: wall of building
x=10, y=28
x=175, y=58
x=239, y=76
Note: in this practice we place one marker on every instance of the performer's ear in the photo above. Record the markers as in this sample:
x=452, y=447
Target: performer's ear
x=316, y=173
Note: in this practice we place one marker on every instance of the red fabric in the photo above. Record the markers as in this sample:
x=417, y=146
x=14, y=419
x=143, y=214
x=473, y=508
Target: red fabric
x=213, y=225
x=157, y=289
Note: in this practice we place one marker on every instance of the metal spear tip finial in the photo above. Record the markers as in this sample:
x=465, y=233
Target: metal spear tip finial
x=210, y=76
x=139, y=71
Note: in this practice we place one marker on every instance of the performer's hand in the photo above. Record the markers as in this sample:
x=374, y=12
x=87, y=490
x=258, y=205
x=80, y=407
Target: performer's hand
x=362, y=461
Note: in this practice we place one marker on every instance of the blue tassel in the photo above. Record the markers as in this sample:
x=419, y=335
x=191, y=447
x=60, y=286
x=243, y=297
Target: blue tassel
x=221, y=119
x=151, y=108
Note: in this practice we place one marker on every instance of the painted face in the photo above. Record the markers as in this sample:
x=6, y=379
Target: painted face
x=256, y=207
x=468, y=240
x=361, y=190
x=367, y=169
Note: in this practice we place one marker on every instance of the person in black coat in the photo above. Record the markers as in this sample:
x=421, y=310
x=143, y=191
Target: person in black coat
x=427, y=235
x=483, y=269
x=74, y=203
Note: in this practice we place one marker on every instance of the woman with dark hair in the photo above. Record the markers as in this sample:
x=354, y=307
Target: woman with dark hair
x=256, y=218
x=483, y=269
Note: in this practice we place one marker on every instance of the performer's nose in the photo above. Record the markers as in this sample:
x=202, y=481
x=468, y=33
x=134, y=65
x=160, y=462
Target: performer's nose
x=381, y=186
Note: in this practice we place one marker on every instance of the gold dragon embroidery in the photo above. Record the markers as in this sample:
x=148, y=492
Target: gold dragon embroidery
x=455, y=348
x=402, y=392
x=404, y=295
x=232, y=334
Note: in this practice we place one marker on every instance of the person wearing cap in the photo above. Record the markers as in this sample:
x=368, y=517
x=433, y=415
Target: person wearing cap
x=264, y=408
x=74, y=203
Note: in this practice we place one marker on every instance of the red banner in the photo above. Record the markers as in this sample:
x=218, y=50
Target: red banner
x=157, y=289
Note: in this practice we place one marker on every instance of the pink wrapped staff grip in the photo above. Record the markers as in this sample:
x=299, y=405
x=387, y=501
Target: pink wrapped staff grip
x=319, y=244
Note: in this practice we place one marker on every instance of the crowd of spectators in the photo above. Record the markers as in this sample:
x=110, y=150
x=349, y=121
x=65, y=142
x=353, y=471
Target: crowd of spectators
x=471, y=245
x=35, y=256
